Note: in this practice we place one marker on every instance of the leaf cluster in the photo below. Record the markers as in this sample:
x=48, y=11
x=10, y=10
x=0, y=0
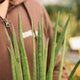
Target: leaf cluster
x=20, y=69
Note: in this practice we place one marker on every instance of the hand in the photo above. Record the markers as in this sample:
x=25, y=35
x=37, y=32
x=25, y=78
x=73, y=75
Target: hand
x=3, y=8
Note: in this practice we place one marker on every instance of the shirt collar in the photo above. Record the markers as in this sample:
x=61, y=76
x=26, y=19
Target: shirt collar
x=16, y=2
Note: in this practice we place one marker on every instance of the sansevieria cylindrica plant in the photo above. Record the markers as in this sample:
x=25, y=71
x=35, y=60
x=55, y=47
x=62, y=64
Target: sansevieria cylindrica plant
x=20, y=70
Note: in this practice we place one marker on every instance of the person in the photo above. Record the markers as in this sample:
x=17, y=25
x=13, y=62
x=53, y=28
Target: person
x=8, y=16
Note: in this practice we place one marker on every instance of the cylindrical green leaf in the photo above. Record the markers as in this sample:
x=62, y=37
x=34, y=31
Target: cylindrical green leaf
x=37, y=64
x=34, y=57
x=40, y=57
x=62, y=60
x=18, y=64
x=45, y=58
x=42, y=36
x=73, y=71
x=61, y=38
x=51, y=66
x=12, y=57
x=24, y=61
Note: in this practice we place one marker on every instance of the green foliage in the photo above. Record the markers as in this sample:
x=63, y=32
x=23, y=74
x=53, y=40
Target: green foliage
x=73, y=71
x=25, y=67
x=34, y=56
x=40, y=59
x=45, y=58
x=18, y=64
x=62, y=59
x=12, y=57
x=61, y=39
x=51, y=66
x=78, y=78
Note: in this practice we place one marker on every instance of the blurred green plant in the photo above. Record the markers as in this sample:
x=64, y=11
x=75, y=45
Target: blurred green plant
x=73, y=71
x=73, y=28
x=40, y=59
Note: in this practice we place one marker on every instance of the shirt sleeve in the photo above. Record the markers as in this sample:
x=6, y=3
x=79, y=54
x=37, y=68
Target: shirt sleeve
x=49, y=34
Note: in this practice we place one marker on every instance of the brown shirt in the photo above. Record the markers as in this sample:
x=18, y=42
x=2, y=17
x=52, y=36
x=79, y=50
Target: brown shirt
x=27, y=9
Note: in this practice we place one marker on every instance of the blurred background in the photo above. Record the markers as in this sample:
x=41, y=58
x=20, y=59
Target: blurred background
x=67, y=7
